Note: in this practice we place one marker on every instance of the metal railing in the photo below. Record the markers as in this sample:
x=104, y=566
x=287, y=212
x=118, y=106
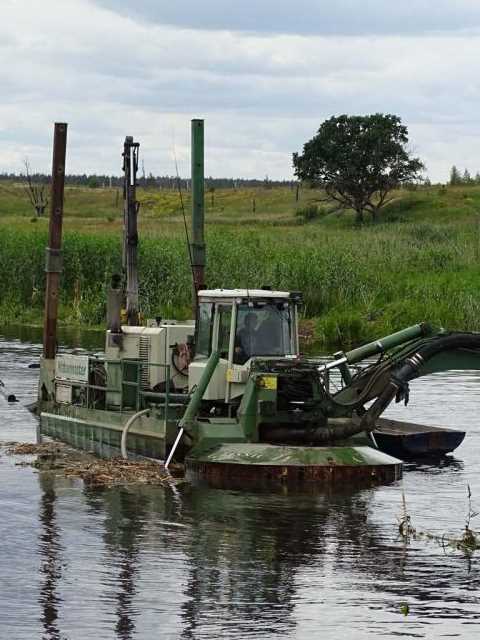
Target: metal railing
x=140, y=393
x=131, y=377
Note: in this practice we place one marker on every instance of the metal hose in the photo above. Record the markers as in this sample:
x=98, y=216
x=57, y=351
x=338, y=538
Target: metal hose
x=130, y=421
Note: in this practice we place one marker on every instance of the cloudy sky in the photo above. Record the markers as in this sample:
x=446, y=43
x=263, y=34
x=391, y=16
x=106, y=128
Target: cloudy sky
x=263, y=73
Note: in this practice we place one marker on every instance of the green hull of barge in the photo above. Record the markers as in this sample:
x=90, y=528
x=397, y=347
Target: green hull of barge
x=224, y=457
x=100, y=431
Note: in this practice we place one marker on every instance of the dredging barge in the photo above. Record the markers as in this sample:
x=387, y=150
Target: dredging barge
x=229, y=393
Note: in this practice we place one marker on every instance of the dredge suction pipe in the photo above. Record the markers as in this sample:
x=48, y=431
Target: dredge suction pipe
x=380, y=346
x=410, y=368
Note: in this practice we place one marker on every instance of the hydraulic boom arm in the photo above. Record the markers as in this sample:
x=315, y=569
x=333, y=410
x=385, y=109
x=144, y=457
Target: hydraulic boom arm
x=389, y=378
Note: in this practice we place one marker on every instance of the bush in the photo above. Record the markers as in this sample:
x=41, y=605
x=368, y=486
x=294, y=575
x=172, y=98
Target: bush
x=309, y=213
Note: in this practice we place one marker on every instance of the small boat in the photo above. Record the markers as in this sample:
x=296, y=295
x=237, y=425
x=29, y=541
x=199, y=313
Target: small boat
x=407, y=440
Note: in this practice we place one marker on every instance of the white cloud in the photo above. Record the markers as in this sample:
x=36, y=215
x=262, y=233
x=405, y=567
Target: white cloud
x=308, y=17
x=262, y=96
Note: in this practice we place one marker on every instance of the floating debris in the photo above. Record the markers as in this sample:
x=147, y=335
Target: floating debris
x=468, y=541
x=115, y=471
x=30, y=449
x=53, y=456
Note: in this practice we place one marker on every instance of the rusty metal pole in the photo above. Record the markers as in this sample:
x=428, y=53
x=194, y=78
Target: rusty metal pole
x=53, y=266
x=198, y=208
x=130, y=238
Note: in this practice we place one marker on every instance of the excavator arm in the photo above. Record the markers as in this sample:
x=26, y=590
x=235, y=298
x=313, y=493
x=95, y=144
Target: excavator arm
x=388, y=379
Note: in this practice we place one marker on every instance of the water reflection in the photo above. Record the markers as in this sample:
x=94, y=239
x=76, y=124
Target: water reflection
x=435, y=466
x=248, y=565
x=244, y=560
x=50, y=553
x=143, y=563
x=124, y=520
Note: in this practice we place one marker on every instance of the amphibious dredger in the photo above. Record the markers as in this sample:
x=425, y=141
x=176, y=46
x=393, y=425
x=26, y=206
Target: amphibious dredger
x=229, y=394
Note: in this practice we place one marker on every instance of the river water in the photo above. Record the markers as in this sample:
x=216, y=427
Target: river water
x=145, y=563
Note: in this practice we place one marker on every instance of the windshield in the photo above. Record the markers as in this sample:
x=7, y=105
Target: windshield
x=263, y=330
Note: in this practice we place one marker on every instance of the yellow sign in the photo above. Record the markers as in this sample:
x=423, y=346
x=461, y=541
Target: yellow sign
x=268, y=382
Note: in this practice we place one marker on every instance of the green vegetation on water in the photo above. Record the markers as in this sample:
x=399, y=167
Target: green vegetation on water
x=421, y=262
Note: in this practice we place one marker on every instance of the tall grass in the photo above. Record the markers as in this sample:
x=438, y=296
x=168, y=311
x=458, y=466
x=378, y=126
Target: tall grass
x=358, y=284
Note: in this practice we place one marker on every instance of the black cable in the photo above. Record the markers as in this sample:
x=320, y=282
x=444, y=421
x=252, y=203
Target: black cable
x=180, y=371
x=179, y=187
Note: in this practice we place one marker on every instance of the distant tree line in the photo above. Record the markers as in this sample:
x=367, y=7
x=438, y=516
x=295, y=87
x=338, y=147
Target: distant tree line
x=465, y=178
x=154, y=182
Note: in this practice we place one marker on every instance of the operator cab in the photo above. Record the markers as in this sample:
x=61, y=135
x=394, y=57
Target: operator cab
x=242, y=324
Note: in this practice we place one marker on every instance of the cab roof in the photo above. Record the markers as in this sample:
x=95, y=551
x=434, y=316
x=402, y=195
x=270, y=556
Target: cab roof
x=243, y=293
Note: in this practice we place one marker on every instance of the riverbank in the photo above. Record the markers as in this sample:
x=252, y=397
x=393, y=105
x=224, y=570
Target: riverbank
x=420, y=264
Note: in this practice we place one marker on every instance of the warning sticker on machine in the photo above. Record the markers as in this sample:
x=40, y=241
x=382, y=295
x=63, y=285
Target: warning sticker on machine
x=268, y=382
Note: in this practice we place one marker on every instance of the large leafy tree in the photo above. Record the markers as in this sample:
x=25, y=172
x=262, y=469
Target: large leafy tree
x=358, y=160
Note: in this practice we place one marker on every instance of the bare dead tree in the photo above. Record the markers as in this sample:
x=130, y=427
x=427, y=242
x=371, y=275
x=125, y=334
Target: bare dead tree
x=36, y=193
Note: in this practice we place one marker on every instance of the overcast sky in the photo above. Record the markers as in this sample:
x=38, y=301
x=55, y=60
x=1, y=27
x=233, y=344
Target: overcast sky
x=264, y=74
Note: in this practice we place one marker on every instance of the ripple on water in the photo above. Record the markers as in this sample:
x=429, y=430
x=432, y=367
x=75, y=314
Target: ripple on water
x=143, y=563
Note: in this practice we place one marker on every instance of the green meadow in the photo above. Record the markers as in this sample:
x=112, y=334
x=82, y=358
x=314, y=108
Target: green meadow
x=421, y=262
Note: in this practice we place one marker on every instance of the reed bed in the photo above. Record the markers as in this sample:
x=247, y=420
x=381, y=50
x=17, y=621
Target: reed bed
x=357, y=283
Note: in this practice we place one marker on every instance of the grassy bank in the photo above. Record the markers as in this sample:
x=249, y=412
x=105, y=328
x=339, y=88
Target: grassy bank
x=421, y=263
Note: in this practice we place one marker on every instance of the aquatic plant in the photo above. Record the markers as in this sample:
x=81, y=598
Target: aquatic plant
x=467, y=542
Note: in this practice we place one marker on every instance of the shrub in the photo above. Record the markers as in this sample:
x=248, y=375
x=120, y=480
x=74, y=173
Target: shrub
x=309, y=213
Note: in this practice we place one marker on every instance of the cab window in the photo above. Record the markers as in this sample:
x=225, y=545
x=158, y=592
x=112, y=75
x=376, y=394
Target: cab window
x=263, y=329
x=225, y=317
x=203, y=342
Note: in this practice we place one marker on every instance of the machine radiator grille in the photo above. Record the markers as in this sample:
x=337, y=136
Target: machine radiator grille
x=144, y=355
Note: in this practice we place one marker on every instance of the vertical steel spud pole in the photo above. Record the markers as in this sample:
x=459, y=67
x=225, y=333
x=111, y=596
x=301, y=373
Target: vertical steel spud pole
x=130, y=231
x=53, y=265
x=198, y=207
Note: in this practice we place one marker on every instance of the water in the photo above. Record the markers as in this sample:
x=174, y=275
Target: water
x=149, y=563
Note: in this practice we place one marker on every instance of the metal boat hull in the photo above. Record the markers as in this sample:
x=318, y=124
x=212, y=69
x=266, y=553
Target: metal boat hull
x=407, y=440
